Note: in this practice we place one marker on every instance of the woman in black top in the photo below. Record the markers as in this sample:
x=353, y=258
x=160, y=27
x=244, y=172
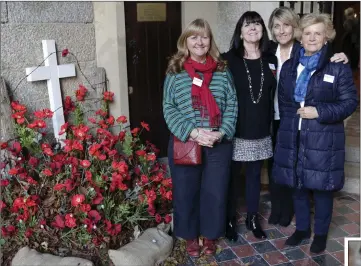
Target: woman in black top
x=254, y=73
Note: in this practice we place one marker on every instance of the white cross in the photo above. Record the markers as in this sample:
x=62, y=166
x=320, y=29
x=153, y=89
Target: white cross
x=52, y=72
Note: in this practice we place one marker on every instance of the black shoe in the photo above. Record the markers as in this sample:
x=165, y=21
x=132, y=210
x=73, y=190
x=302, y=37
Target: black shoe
x=285, y=220
x=296, y=238
x=231, y=230
x=318, y=244
x=253, y=224
x=274, y=218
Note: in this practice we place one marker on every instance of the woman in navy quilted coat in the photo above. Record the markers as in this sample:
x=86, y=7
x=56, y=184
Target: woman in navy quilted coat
x=315, y=96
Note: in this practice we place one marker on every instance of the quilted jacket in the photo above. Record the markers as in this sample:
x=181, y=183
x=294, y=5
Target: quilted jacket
x=318, y=162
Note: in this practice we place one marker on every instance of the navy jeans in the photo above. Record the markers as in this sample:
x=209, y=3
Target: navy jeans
x=323, y=210
x=200, y=192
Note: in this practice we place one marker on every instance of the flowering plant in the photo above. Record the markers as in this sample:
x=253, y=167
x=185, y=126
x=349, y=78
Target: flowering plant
x=88, y=192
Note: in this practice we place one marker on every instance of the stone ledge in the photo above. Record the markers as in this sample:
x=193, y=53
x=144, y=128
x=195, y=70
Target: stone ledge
x=50, y=12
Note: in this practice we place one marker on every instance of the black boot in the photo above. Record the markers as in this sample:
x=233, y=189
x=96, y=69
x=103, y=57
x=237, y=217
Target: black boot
x=318, y=244
x=231, y=230
x=253, y=224
x=296, y=238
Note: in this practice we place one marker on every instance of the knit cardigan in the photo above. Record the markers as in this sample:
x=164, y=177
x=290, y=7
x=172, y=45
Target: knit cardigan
x=179, y=114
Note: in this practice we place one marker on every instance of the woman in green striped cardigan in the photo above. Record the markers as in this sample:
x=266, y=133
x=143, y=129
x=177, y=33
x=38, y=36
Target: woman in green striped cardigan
x=200, y=103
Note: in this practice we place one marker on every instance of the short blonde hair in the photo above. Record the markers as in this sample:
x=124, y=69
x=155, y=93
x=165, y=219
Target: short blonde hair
x=311, y=19
x=286, y=15
x=196, y=27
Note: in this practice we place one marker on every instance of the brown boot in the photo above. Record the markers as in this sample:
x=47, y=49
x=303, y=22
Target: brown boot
x=193, y=248
x=209, y=246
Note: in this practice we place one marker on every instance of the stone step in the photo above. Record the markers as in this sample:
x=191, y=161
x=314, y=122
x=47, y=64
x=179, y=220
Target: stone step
x=352, y=154
x=352, y=185
x=352, y=170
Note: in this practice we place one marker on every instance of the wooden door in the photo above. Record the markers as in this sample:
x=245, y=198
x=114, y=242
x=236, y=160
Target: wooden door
x=149, y=45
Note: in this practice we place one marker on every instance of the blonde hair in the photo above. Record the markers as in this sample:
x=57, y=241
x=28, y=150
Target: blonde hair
x=286, y=15
x=196, y=27
x=311, y=19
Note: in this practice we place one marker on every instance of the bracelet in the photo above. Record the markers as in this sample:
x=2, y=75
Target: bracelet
x=197, y=134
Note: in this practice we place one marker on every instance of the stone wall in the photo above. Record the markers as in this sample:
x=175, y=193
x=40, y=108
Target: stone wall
x=25, y=24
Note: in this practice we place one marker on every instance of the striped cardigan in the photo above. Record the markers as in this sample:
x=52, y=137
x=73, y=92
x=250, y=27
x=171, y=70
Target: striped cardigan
x=179, y=114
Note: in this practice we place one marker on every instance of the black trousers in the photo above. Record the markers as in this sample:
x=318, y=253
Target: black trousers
x=281, y=196
x=253, y=186
x=200, y=193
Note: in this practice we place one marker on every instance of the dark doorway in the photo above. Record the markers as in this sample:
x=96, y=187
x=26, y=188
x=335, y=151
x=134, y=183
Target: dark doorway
x=149, y=45
x=346, y=33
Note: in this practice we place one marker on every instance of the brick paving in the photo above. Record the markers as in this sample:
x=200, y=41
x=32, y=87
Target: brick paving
x=272, y=251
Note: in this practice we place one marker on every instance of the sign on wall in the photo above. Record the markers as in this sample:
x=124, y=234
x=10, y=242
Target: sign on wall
x=151, y=12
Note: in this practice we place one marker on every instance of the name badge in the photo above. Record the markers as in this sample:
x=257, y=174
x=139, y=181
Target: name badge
x=272, y=66
x=197, y=82
x=328, y=78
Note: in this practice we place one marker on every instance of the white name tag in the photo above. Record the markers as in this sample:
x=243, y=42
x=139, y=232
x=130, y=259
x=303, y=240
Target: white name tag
x=197, y=82
x=328, y=78
x=272, y=66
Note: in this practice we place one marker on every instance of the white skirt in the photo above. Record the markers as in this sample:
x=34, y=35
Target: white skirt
x=249, y=150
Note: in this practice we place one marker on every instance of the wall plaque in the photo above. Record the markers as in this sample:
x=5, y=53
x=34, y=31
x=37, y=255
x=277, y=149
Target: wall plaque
x=151, y=12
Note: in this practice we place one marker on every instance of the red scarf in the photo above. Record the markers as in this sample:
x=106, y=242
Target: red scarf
x=202, y=98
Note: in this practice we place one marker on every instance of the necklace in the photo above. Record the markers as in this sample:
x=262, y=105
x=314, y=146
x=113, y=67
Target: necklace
x=250, y=82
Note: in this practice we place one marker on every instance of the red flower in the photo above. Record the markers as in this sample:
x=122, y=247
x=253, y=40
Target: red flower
x=135, y=131
x=98, y=199
x=18, y=107
x=151, y=157
x=167, y=219
x=45, y=113
x=13, y=171
x=69, y=105
x=70, y=221
x=101, y=113
x=77, y=200
x=94, y=216
x=80, y=131
x=58, y=222
x=145, y=125
x=58, y=187
x=10, y=230
x=113, y=229
x=4, y=182
x=33, y=161
x=69, y=185
x=122, y=119
x=141, y=153
x=144, y=179
x=108, y=96
x=110, y=120
x=85, y=163
x=121, y=135
x=169, y=195
x=3, y=145
x=158, y=218
x=28, y=233
x=2, y=205
x=80, y=93
x=84, y=207
x=92, y=120
x=65, y=52
x=47, y=172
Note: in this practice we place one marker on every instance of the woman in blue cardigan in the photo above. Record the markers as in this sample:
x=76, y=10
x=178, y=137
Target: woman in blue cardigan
x=315, y=96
